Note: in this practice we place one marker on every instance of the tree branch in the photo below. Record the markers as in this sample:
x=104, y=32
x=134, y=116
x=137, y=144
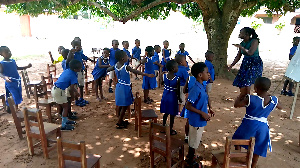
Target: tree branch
x=9, y=2
x=105, y=10
x=249, y=4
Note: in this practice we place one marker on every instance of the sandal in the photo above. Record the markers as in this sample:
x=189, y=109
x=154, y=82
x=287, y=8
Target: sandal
x=125, y=123
x=151, y=100
x=173, y=132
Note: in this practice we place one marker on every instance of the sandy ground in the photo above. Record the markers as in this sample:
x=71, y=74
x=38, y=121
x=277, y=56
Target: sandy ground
x=122, y=148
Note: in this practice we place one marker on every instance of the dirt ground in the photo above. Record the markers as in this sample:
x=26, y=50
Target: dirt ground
x=122, y=148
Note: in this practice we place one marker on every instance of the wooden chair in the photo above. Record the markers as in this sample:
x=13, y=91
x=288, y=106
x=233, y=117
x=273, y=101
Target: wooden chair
x=39, y=130
x=142, y=115
x=77, y=157
x=17, y=116
x=48, y=80
x=88, y=81
x=234, y=158
x=40, y=91
x=2, y=97
x=28, y=84
x=165, y=146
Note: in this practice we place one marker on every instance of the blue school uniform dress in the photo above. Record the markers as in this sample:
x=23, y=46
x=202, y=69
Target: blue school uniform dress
x=136, y=52
x=128, y=54
x=185, y=53
x=199, y=99
x=123, y=93
x=155, y=58
x=251, y=68
x=66, y=79
x=149, y=83
x=255, y=124
x=100, y=72
x=112, y=58
x=293, y=50
x=182, y=74
x=14, y=87
x=211, y=70
x=169, y=98
x=80, y=56
x=64, y=64
x=167, y=56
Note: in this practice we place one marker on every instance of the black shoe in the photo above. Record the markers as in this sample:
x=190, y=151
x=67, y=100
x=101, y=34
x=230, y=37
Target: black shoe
x=283, y=92
x=67, y=128
x=74, y=113
x=70, y=122
x=290, y=93
x=125, y=123
x=72, y=117
x=110, y=90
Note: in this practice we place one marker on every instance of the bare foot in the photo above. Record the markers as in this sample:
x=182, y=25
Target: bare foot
x=98, y=99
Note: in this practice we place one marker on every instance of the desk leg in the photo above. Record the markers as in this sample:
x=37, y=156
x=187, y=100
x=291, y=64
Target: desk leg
x=294, y=102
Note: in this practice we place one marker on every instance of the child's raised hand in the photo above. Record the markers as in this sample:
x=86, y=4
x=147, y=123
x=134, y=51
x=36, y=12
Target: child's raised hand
x=211, y=112
x=29, y=65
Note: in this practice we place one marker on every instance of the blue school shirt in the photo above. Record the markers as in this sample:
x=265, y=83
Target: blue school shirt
x=155, y=58
x=10, y=69
x=182, y=74
x=136, y=52
x=80, y=56
x=66, y=79
x=211, y=70
x=293, y=50
x=149, y=66
x=199, y=99
x=112, y=58
x=192, y=81
x=128, y=54
x=64, y=64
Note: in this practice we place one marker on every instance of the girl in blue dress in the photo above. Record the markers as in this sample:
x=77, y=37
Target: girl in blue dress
x=171, y=94
x=252, y=65
x=123, y=93
x=255, y=123
x=166, y=53
x=9, y=72
x=186, y=54
x=99, y=72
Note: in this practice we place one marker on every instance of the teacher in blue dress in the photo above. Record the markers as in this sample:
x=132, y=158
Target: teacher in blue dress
x=252, y=65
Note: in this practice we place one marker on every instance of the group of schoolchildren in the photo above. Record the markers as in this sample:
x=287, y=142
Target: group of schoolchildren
x=184, y=94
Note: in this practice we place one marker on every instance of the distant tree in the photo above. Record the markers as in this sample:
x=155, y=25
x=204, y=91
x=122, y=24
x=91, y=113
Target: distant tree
x=219, y=16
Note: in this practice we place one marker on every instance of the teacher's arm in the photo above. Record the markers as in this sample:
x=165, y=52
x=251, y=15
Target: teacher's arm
x=236, y=59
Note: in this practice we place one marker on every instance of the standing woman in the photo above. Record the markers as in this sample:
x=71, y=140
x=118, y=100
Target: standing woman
x=252, y=65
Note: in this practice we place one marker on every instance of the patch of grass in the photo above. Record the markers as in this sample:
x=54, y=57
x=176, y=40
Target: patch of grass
x=26, y=57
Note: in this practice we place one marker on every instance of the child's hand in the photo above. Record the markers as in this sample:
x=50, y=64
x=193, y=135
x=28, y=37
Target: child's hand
x=150, y=75
x=49, y=52
x=29, y=65
x=211, y=112
x=206, y=116
x=7, y=79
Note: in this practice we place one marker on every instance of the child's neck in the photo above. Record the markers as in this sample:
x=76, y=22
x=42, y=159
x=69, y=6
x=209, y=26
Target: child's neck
x=6, y=59
x=170, y=74
x=137, y=46
x=208, y=60
x=181, y=50
x=199, y=80
x=263, y=94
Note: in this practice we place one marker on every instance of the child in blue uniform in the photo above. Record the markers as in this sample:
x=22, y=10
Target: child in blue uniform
x=287, y=81
x=185, y=53
x=112, y=62
x=125, y=49
x=68, y=78
x=9, y=72
x=136, y=56
x=78, y=55
x=155, y=59
x=148, y=83
x=123, y=93
x=166, y=53
x=183, y=75
x=255, y=122
x=196, y=105
x=209, y=55
x=65, y=53
x=171, y=94
x=99, y=72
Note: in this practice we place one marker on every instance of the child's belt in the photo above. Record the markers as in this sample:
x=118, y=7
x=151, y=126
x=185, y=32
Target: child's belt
x=122, y=82
x=263, y=120
x=169, y=88
x=18, y=80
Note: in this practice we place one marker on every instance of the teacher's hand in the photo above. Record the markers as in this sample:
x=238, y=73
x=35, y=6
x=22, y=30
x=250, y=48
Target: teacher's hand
x=237, y=45
x=229, y=68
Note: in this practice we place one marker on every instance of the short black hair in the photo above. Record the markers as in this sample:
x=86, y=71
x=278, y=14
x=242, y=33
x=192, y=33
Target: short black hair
x=114, y=41
x=179, y=58
x=124, y=42
x=107, y=49
x=198, y=68
x=156, y=47
x=171, y=64
x=181, y=44
x=262, y=83
x=75, y=64
x=2, y=49
x=208, y=52
x=120, y=54
x=65, y=52
x=149, y=49
x=75, y=43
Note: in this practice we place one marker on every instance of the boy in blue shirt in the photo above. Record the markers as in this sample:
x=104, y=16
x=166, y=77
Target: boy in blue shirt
x=287, y=81
x=78, y=55
x=112, y=62
x=67, y=79
x=125, y=48
x=209, y=55
x=185, y=53
x=183, y=75
x=136, y=56
x=197, y=113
